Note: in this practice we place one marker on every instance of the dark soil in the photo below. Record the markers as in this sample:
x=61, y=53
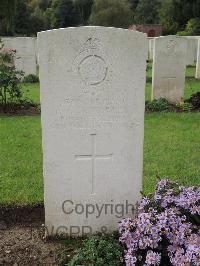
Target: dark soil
x=22, y=239
x=31, y=109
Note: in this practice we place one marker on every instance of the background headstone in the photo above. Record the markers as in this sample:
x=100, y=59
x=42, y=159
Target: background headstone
x=26, y=52
x=92, y=101
x=151, y=45
x=191, y=55
x=169, y=66
x=198, y=61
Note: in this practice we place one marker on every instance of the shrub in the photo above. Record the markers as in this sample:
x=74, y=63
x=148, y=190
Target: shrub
x=193, y=26
x=166, y=231
x=31, y=78
x=184, y=106
x=99, y=250
x=158, y=105
x=182, y=33
x=195, y=101
x=10, y=89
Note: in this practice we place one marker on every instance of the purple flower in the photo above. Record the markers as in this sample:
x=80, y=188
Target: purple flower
x=166, y=216
x=130, y=260
x=153, y=258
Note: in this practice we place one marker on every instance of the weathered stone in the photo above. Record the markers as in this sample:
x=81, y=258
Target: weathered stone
x=169, y=66
x=25, y=47
x=92, y=100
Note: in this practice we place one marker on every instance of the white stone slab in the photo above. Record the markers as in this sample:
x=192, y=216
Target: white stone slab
x=169, y=66
x=198, y=61
x=151, y=46
x=92, y=100
x=191, y=55
x=25, y=52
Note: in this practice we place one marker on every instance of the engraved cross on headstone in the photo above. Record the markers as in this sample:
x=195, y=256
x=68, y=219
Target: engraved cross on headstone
x=93, y=157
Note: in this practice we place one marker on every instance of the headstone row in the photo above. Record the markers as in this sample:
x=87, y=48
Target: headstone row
x=26, y=52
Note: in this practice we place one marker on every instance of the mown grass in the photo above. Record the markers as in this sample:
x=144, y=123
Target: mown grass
x=171, y=148
x=31, y=91
x=20, y=160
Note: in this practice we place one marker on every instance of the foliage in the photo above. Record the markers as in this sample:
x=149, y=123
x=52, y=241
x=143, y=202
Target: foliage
x=158, y=105
x=83, y=10
x=175, y=14
x=64, y=14
x=22, y=18
x=193, y=26
x=99, y=250
x=133, y=4
x=166, y=229
x=168, y=17
x=31, y=78
x=195, y=101
x=184, y=106
x=7, y=12
x=10, y=89
x=37, y=21
x=27, y=17
x=111, y=13
x=147, y=12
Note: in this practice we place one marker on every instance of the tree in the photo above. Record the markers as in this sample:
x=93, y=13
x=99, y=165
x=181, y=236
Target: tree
x=133, y=4
x=147, y=12
x=116, y=13
x=83, y=10
x=22, y=18
x=192, y=28
x=167, y=17
x=7, y=13
x=175, y=14
x=40, y=15
x=63, y=14
x=37, y=21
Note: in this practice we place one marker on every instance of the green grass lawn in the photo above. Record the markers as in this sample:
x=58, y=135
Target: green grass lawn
x=31, y=91
x=20, y=160
x=171, y=148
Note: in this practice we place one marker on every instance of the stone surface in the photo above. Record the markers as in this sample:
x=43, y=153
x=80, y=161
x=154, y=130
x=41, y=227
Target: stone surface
x=191, y=55
x=26, y=52
x=151, y=46
x=198, y=61
x=92, y=100
x=169, y=66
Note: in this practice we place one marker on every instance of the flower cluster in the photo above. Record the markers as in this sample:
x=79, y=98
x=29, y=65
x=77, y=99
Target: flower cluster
x=166, y=231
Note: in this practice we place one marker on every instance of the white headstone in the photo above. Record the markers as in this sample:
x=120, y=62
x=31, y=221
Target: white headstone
x=169, y=66
x=25, y=53
x=198, y=61
x=191, y=55
x=92, y=100
x=151, y=46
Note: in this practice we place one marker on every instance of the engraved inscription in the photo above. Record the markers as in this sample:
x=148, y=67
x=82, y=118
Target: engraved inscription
x=84, y=110
x=93, y=157
x=90, y=64
x=92, y=69
x=171, y=47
